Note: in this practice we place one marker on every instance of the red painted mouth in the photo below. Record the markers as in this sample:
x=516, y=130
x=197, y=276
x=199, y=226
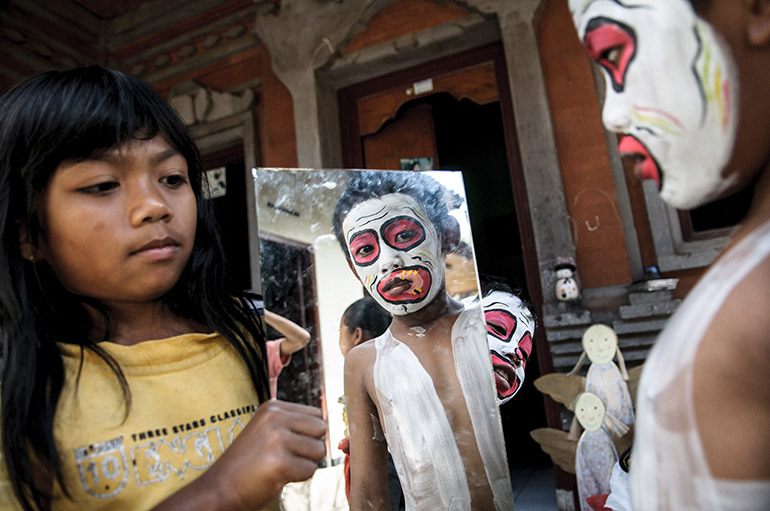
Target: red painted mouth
x=505, y=376
x=405, y=285
x=644, y=165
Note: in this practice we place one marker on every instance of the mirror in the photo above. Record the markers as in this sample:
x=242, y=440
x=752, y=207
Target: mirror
x=431, y=293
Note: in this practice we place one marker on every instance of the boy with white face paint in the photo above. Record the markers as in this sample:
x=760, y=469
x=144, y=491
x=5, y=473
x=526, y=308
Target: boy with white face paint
x=703, y=405
x=670, y=90
x=426, y=384
x=510, y=330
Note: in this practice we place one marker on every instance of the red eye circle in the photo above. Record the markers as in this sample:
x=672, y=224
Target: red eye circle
x=403, y=233
x=524, y=349
x=364, y=247
x=500, y=323
x=612, y=45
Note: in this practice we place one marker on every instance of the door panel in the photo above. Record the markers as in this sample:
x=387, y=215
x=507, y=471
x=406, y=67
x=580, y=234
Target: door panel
x=411, y=137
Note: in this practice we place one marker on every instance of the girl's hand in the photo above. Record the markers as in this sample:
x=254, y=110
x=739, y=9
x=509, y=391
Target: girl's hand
x=282, y=443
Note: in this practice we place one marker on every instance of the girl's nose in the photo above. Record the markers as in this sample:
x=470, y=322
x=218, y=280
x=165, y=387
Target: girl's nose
x=616, y=112
x=148, y=205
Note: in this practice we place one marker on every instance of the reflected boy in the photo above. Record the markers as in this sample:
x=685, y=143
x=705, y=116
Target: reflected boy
x=425, y=385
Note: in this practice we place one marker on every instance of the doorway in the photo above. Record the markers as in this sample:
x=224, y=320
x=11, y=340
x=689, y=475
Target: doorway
x=227, y=168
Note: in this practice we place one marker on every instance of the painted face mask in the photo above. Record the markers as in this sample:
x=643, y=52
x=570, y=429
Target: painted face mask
x=670, y=88
x=510, y=327
x=396, y=252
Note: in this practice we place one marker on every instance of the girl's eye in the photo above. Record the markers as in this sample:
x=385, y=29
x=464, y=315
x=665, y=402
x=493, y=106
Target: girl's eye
x=100, y=188
x=174, y=180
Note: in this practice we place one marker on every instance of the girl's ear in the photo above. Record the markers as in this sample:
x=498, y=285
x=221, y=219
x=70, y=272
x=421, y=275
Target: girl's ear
x=26, y=246
x=450, y=234
x=358, y=335
x=758, y=22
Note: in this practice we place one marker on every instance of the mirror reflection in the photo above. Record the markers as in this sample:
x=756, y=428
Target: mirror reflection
x=383, y=261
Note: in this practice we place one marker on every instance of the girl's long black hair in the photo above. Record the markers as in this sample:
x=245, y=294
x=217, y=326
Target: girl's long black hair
x=65, y=116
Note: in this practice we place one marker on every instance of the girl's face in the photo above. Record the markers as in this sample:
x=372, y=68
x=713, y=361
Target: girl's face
x=119, y=227
x=396, y=252
x=347, y=338
x=510, y=328
x=670, y=88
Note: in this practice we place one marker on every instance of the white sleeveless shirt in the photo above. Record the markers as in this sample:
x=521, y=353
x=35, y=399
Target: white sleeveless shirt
x=668, y=465
x=416, y=427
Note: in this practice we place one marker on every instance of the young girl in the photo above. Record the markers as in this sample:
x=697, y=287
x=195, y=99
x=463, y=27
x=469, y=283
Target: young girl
x=133, y=375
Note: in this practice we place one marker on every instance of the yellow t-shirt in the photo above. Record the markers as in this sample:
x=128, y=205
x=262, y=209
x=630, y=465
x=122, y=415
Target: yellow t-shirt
x=191, y=395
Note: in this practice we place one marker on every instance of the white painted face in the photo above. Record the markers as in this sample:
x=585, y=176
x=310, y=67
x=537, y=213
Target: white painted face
x=590, y=411
x=510, y=327
x=671, y=89
x=396, y=252
x=600, y=343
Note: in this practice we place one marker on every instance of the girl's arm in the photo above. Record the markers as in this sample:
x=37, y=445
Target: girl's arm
x=368, y=450
x=282, y=443
x=295, y=337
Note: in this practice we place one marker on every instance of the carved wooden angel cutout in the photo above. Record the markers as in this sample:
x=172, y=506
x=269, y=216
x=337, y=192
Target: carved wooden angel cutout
x=600, y=344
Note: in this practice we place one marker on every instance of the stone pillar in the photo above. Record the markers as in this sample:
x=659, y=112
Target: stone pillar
x=537, y=143
x=300, y=40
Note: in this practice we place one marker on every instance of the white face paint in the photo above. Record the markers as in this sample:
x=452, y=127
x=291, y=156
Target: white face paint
x=671, y=88
x=396, y=252
x=590, y=410
x=510, y=327
x=600, y=343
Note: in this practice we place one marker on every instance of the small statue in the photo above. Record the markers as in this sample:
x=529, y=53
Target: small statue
x=566, y=287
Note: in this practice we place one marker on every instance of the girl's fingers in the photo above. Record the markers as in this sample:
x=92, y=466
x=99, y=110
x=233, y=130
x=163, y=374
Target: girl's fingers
x=308, y=447
x=310, y=426
x=294, y=407
x=301, y=419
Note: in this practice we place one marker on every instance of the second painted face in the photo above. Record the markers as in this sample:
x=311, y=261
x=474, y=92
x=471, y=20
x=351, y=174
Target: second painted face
x=396, y=252
x=510, y=327
x=670, y=89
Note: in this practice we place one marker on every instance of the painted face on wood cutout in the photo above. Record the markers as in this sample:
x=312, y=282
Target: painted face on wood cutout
x=600, y=343
x=396, y=252
x=670, y=89
x=590, y=411
x=510, y=327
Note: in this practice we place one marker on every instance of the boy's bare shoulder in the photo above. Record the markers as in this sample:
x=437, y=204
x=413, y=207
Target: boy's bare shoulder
x=744, y=319
x=360, y=358
x=738, y=337
x=731, y=383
